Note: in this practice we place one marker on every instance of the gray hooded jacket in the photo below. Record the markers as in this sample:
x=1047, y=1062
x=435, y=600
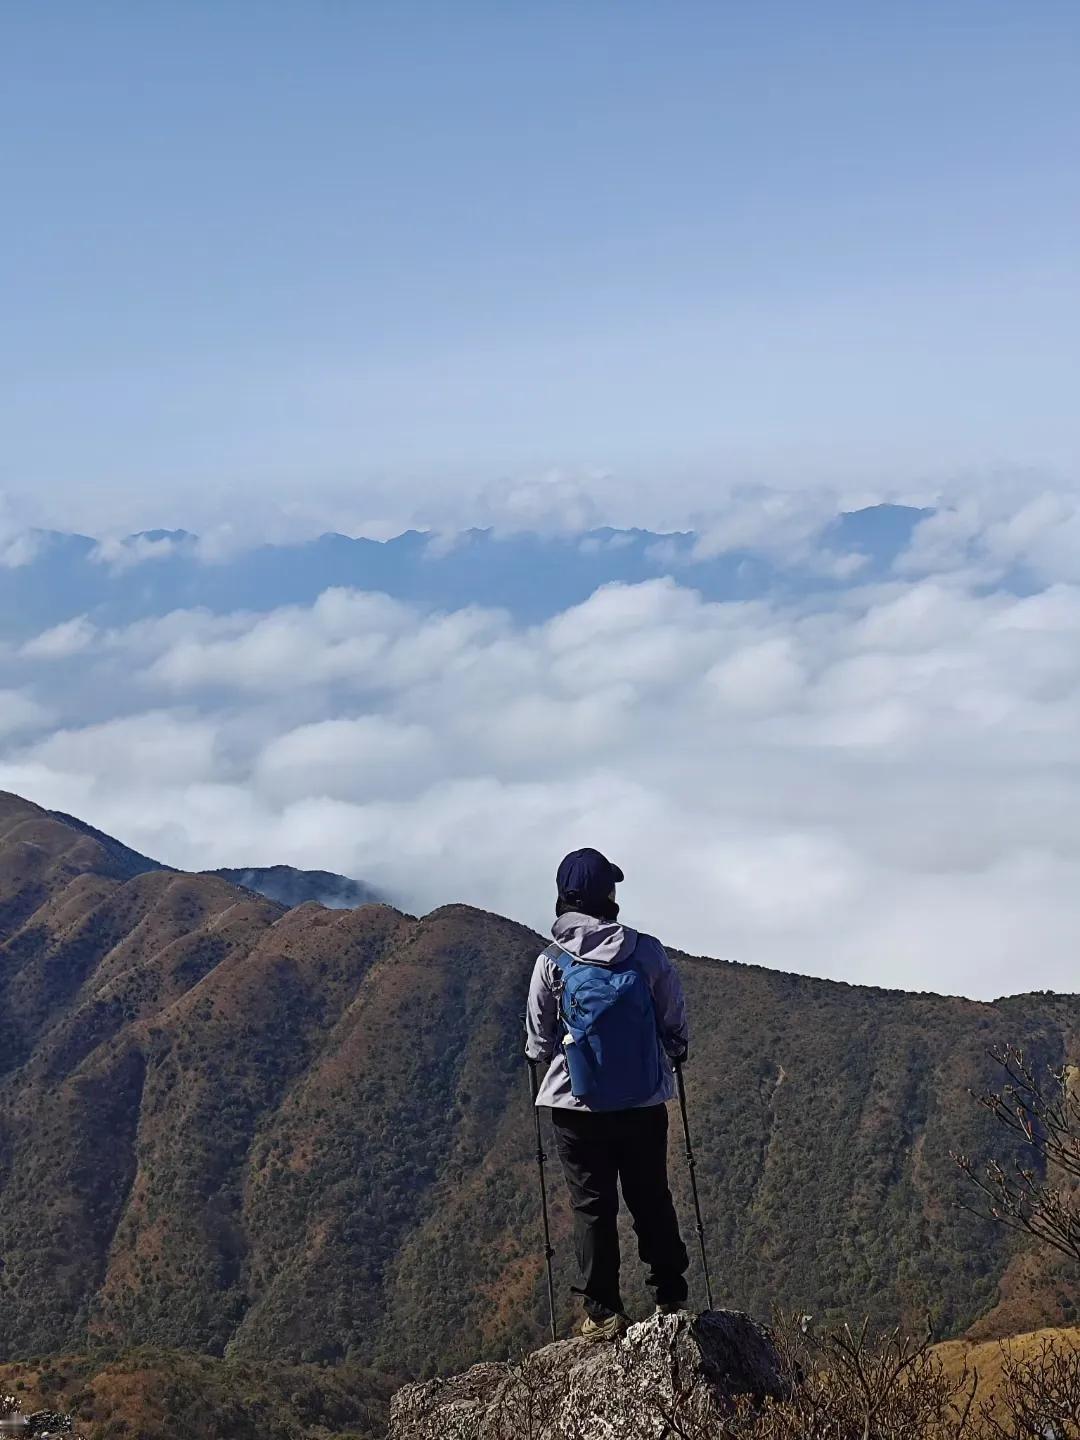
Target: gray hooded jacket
x=600, y=942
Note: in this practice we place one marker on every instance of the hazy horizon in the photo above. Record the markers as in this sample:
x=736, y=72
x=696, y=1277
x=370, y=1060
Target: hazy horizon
x=348, y=254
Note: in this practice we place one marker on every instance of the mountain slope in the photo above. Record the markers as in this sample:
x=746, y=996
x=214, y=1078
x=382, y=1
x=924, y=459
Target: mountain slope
x=150, y=1394
x=304, y=1134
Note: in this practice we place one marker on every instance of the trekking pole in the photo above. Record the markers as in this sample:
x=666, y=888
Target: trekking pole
x=693, y=1181
x=541, y=1157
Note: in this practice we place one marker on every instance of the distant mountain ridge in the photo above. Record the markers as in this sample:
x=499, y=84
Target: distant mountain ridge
x=531, y=575
x=303, y=1135
x=284, y=884
x=291, y=887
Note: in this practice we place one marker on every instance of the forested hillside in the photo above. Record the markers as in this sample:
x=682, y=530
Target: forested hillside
x=304, y=1134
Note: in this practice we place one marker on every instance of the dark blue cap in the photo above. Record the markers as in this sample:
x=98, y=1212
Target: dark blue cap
x=587, y=872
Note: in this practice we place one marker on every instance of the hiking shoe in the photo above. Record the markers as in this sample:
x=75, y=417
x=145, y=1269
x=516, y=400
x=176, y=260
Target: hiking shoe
x=614, y=1327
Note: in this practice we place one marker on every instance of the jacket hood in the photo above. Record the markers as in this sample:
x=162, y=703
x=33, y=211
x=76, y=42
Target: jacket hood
x=599, y=942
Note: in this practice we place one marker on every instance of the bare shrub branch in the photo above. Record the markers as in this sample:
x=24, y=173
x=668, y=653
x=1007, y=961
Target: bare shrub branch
x=1039, y=1397
x=1042, y=1111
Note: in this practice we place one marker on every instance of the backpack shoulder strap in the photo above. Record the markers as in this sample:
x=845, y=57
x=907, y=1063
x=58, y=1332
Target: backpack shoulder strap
x=560, y=957
x=561, y=961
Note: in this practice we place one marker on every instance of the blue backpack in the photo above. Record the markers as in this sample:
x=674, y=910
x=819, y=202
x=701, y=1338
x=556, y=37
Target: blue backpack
x=610, y=1036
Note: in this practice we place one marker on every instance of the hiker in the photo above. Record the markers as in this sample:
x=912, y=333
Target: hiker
x=606, y=1015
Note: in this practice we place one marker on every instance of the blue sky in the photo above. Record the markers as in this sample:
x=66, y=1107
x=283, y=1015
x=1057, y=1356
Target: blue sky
x=288, y=249
x=271, y=269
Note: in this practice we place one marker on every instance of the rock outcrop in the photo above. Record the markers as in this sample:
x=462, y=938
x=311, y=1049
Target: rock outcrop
x=41, y=1425
x=574, y=1390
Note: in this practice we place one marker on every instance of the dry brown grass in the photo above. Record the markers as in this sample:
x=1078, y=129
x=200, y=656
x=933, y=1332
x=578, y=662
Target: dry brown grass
x=988, y=1358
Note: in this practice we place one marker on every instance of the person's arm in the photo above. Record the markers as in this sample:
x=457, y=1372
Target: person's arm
x=541, y=1016
x=670, y=1006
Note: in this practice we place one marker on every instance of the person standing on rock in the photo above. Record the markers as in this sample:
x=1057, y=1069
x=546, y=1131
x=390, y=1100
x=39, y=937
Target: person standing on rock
x=606, y=1015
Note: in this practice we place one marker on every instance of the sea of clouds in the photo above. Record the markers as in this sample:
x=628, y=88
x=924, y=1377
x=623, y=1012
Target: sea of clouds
x=879, y=783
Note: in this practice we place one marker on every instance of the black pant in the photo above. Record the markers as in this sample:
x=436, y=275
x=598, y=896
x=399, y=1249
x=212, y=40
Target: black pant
x=600, y=1150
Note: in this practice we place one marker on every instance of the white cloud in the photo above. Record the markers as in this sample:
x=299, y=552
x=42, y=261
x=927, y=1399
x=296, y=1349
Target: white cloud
x=62, y=641
x=18, y=544
x=554, y=503
x=343, y=634
x=774, y=522
x=761, y=676
x=879, y=784
x=441, y=543
x=224, y=540
x=351, y=759
x=122, y=553
x=18, y=550
x=155, y=748
x=1008, y=523
x=20, y=712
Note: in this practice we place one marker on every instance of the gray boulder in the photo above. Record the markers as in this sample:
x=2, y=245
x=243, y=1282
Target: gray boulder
x=574, y=1390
